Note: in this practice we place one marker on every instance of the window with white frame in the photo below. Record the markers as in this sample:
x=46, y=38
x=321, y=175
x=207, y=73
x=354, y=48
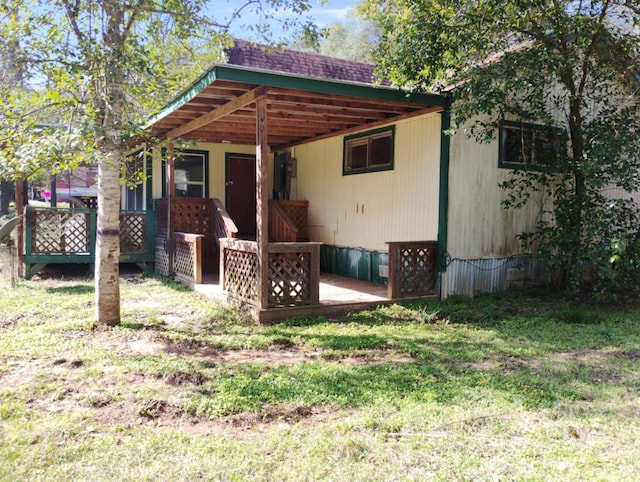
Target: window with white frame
x=191, y=173
x=369, y=151
x=135, y=185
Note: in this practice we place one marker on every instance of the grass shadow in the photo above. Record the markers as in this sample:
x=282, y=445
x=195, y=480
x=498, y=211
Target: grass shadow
x=80, y=289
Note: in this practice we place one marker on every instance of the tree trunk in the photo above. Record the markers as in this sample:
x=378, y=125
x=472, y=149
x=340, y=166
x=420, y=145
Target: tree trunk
x=53, y=189
x=111, y=103
x=6, y=193
x=107, y=269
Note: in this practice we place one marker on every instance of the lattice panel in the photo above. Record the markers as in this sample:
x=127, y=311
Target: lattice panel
x=193, y=215
x=289, y=279
x=133, y=232
x=417, y=271
x=297, y=212
x=184, y=256
x=57, y=232
x=241, y=274
x=161, y=261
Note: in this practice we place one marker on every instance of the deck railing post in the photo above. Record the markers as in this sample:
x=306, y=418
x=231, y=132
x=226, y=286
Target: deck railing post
x=262, y=213
x=92, y=232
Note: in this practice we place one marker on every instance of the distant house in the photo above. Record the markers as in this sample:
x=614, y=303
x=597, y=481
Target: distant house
x=373, y=164
x=78, y=182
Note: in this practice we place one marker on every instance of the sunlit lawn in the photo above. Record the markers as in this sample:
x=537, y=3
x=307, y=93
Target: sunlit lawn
x=503, y=387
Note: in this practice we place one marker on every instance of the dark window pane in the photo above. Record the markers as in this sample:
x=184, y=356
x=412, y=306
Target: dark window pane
x=516, y=145
x=380, y=151
x=545, y=150
x=194, y=190
x=357, y=155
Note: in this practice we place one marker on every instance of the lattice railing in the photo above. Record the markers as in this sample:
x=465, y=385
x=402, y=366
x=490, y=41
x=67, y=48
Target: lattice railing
x=288, y=220
x=192, y=215
x=133, y=232
x=60, y=231
x=239, y=269
x=293, y=274
x=223, y=225
x=187, y=257
x=62, y=235
x=412, y=268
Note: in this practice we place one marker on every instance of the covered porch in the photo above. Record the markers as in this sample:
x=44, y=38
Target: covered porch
x=274, y=274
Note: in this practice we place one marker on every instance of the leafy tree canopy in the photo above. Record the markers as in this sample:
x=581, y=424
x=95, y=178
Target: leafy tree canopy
x=569, y=65
x=353, y=39
x=97, y=68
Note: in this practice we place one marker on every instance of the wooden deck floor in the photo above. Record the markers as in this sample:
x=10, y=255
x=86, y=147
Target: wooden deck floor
x=334, y=290
x=337, y=295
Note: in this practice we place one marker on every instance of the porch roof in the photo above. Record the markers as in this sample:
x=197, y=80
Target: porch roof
x=220, y=107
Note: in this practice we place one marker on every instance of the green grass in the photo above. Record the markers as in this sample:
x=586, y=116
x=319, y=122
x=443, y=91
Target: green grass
x=503, y=387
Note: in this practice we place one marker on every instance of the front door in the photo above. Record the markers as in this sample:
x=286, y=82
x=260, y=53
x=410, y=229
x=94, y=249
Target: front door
x=241, y=192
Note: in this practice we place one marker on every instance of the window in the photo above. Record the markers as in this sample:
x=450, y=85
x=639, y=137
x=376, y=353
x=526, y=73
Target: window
x=135, y=187
x=530, y=146
x=368, y=152
x=190, y=173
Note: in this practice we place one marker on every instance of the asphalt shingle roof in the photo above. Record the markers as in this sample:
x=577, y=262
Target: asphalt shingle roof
x=246, y=54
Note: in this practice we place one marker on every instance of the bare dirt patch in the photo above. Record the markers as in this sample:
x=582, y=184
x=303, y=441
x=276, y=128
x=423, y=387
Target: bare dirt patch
x=280, y=353
x=557, y=360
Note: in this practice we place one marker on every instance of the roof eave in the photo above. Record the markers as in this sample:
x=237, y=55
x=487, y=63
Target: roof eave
x=293, y=81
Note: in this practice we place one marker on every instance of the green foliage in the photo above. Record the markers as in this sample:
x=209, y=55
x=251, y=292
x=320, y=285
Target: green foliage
x=566, y=65
x=353, y=39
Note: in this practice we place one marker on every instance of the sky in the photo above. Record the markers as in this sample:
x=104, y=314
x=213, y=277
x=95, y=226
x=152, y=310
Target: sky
x=322, y=15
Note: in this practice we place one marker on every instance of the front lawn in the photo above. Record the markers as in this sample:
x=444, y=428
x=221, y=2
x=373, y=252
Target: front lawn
x=503, y=387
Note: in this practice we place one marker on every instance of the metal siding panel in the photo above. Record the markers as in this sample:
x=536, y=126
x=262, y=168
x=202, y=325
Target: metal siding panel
x=473, y=276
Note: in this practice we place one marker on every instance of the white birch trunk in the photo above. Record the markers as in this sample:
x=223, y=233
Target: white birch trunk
x=107, y=268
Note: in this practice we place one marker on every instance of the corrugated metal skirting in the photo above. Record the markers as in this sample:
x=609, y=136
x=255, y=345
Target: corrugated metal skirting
x=473, y=276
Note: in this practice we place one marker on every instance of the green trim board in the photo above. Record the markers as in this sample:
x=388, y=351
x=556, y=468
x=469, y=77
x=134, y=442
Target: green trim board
x=148, y=182
x=292, y=81
x=536, y=146
x=369, y=136
x=443, y=201
x=198, y=86
x=356, y=263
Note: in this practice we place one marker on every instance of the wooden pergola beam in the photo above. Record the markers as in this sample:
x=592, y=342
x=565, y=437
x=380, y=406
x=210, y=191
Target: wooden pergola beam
x=231, y=106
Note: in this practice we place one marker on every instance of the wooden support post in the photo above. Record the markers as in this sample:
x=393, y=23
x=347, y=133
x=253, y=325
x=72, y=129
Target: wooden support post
x=262, y=203
x=171, y=193
x=20, y=213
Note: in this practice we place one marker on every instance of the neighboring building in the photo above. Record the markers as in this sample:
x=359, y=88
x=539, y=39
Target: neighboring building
x=77, y=183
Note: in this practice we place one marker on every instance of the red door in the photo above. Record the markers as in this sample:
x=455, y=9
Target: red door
x=241, y=193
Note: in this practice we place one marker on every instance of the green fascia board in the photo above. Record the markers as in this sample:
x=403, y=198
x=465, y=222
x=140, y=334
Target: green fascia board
x=292, y=81
x=326, y=86
x=443, y=203
x=198, y=86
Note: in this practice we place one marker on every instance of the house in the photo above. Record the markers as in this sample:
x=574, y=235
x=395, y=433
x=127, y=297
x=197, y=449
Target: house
x=382, y=182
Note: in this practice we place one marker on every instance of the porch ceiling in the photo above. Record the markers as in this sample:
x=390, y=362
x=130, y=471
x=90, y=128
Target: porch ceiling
x=220, y=107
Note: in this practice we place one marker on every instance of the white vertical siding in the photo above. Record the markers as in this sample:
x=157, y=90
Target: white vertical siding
x=366, y=210
x=479, y=226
